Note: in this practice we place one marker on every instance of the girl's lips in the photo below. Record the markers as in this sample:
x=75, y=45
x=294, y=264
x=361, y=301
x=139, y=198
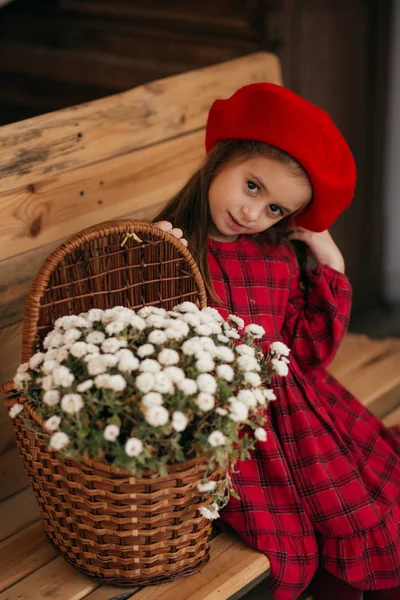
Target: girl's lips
x=234, y=224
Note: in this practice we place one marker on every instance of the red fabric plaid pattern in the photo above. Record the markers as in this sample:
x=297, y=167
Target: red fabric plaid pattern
x=325, y=486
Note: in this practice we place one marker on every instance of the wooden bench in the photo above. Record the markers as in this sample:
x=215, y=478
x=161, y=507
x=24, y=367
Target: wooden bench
x=123, y=156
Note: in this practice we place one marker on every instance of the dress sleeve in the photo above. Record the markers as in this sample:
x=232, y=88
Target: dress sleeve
x=317, y=314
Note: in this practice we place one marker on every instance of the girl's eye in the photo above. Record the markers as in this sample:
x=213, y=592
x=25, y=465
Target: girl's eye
x=253, y=187
x=276, y=210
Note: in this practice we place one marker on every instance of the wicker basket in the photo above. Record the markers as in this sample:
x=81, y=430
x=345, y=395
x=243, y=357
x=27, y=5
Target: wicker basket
x=119, y=529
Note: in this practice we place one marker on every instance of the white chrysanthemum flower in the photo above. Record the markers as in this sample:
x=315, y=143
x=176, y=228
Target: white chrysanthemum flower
x=173, y=334
x=232, y=333
x=137, y=323
x=71, y=403
x=191, y=319
x=186, y=307
x=72, y=335
x=205, y=401
x=51, y=397
x=92, y=349
x=279, y=348
x=109, y=360
x=208, y=514
x=221, y=411
x=269, y=394
x=63, y=377
x=256, y=331
x=280, y=367
x=216, y=438
x=52, y=423
x=179, y=421
x=248, y=363
x=190, y=347
x=225, y=354
x=20, y=378
x=85, y=386
x=95, y=337
x=79, y=349
x=111, y=345
x=54, y=339
x=245, y=350
x=128, y=364
x=163, y=384
x=157, y=337
x=58, y=354
x=259, y=396
x=110, y=382
x=225, y=372
x=149, y=365
x=175, y=374
x=204, y=362
x=15, y=410
x=96, y=366
x=157, y=321
x=206, y=344
x=237, y=321
x=48, y=366
x=145, y=350
x=94, y=314
x=187, y=386
x=152, y=399
x=203, y=329
x=103, y=381
x=260, y=434
x=252, y=378
x=247, y=397
x=222, y=338
x=145, y=311
x=111, y=432
x=238, y=411
x=59, y=440
x=144, y=382
x=207, y=383
x=115, y=327
x=36, y=360
x=168, y=357
x=156, y=416
x=133, y=447
x=47, y=383
x=215, y=314
x=215, y=328
x=72, y=321
x=206, y=486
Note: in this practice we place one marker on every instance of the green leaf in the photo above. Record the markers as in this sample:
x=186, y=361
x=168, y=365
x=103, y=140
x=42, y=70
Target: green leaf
x=114, y=420
x=84, y=432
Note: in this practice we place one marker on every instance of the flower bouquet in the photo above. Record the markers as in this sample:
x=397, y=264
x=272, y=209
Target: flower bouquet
x=144, y=391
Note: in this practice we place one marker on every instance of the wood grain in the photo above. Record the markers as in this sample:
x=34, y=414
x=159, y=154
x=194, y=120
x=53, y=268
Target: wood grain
x=17, y=512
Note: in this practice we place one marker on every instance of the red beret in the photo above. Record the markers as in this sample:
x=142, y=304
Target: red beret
x=273, y=114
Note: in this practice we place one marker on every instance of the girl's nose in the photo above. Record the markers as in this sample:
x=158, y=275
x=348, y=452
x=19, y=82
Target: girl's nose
x=250, y=214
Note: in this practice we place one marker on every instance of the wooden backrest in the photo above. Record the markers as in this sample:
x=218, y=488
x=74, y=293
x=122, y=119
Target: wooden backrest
x=120, y=156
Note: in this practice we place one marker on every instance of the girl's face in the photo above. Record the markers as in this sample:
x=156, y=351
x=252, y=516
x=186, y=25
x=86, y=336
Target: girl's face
x=250, y=196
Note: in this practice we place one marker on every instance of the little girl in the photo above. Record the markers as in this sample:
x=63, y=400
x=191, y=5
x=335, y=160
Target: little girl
x=321, y=496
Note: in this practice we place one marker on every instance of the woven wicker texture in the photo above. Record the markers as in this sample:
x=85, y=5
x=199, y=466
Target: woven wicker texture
x=117, y=528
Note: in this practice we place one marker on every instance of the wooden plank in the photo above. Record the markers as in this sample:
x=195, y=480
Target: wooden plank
x=119, y=124
x=393, y=418
x=356, y=350
x=24, y=553
x=12, y=474
x=57, y=580
x=232, y=566
x=61, y=205
x=17, y=512
x=377, y=384
x=106, y=592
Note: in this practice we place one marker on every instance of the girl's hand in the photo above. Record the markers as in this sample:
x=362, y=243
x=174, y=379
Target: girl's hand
x=167, y=226
x=321, y=246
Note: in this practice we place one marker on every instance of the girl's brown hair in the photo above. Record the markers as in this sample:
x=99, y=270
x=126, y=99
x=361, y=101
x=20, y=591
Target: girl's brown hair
x=189, y=208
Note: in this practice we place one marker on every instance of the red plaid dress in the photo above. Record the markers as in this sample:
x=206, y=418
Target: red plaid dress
x=325, y=486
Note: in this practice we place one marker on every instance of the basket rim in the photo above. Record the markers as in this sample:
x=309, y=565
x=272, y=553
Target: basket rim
x=99, y=230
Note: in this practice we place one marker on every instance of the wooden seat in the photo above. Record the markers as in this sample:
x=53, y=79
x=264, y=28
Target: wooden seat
x=123, y=156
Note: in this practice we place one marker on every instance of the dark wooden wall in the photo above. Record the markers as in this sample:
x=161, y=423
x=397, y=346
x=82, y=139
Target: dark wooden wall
x=55, y=54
